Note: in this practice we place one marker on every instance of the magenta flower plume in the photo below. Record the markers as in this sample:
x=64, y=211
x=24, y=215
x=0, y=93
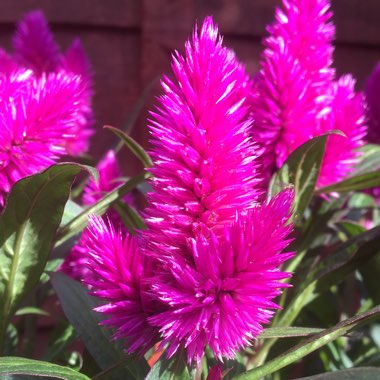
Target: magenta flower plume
x=204, y=160
x=36, y=49
x=224, y=296
x=36, y=115
x=372, y=93
x=290, y=90
x=346, y=115
x=34, y=44
x=119, y=278
x=75, y=264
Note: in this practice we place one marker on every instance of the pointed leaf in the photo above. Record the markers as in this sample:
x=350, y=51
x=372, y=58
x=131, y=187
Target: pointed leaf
x=133, y=146
x=78, y=307
x=288, y=332
x=11, y=365
x=27, y=229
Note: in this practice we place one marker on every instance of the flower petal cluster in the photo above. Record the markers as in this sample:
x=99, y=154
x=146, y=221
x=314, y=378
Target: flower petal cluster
x=45, y=105
x=212, y=250
x=119, y=276
x=295, y=90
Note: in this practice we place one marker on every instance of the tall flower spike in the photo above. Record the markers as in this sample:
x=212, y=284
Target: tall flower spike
x=36, y=115
x=223, y=299
x=290, y=91
x=204, y=160
x=119, y=272
x=75, y=264
x=34, y=44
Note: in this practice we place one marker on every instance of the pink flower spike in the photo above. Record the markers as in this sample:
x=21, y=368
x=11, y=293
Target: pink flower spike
x=204, y=159
x=296, y=70
x=119, y=273
x=223, y=296
x=34, y=44
x=36, y=116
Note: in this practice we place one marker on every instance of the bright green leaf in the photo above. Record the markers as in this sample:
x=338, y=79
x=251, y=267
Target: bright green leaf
x=10, y=365
x=288, y=332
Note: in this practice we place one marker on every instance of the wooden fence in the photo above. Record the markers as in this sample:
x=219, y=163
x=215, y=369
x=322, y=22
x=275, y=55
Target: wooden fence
x=129, y=42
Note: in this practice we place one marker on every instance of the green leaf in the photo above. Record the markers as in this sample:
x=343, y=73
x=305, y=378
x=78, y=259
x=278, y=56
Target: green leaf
x=310, y=345
x=364, y=373
x=288, y=332
x=99, y=208
x=27, y=229
x=10, y=365
x=133, y=146
x=31, y=310
x=71, y=211
x=129, y=216
x=78, y=307
x=61, y=337
x=360, y=182
x=301, y=170
x=368, y=160
x=174, y=369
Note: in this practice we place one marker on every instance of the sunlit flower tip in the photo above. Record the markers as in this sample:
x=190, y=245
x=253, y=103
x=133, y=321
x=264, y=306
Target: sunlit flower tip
x=204, y=159
x=348, y=116
x=119, y=272
x=36, y=115
x=34, y=44
x=76, y=61
x=223, y=295
x=289, y=91
x=372, y=94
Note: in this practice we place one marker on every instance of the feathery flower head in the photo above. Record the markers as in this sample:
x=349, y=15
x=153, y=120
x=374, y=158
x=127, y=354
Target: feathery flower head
x=224, y=297
x=289, y=92
x=34, y=44
x=204, y=160
x=36, y=49
x=36, y=116
x=119, y=273
x=296, y=98
x=372, y=94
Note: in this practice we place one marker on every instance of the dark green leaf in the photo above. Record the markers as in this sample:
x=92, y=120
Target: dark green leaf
x=133, y=146
x=10, y=365
x=27, y=229
x=364, y=373
x=62, y=336
x=174, y=369
x=301, y=170
x=309, y=345
x=129, y=216
x=78, y=307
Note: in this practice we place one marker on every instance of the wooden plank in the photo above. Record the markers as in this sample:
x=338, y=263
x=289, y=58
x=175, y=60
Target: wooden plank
x=357, y=21
x=115, y=13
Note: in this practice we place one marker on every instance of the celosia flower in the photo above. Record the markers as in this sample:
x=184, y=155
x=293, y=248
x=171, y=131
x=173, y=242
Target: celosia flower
x=119, y=273
x=36, y=115
x=75, y=264
x=36, y=49
x=204, y=159
x=294, y=97
x=372, y=93
x=224, y=294
x=212, y=252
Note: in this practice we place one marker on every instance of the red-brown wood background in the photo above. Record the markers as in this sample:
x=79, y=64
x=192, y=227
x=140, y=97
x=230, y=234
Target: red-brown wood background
x=129, y=42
